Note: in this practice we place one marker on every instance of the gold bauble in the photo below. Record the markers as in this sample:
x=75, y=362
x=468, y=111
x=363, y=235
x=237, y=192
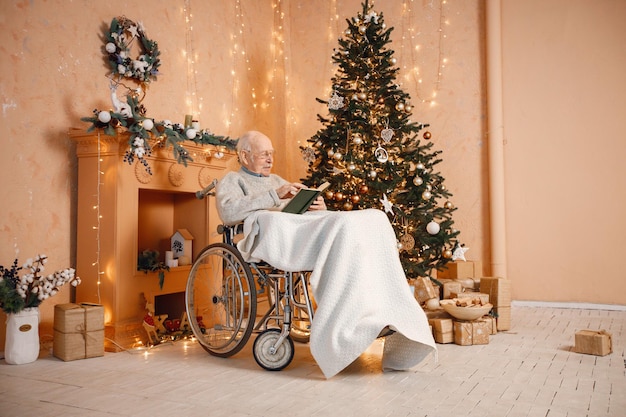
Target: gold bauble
x=355, y=199
x=427, y=135
x=449, y=205
x=338, y=156
x=400, y=106
x=329, y=195
x=347, y=206
x=372, y=174
x=426, y=195
x=407, y=108
x=338, y=196
x=363, y=189
x=362, y=29
x=393, y=61
x=418, y=181
x=362, y=96
x=447, y=253
x=331, y=153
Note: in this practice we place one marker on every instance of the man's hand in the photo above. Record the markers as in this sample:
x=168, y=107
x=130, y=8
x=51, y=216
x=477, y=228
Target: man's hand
x=318, y=204
x=289, y=190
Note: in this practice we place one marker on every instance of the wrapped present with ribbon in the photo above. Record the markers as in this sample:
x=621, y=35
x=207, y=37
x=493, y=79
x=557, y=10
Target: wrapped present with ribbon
x=78, y=331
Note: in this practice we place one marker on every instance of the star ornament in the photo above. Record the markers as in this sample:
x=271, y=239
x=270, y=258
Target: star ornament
x=388, y=205
x=459, y=253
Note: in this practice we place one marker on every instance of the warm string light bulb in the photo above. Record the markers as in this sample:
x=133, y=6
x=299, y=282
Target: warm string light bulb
x=408, y=34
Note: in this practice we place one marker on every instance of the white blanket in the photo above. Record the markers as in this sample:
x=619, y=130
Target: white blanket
x=357, y=280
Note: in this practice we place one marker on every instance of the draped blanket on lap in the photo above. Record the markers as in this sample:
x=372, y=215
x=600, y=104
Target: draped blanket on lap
x=357, y=280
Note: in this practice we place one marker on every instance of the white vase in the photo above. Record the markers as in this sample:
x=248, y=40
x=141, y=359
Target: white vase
x=22, y=337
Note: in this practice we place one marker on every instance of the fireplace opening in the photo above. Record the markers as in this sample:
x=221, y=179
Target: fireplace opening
x=171, y=304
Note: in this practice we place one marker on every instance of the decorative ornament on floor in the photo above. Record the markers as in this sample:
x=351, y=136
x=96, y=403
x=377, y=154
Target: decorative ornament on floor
x=458, y=253
x=20, y=297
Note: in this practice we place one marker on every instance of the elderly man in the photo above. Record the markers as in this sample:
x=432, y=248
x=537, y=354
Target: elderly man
x=357, y=279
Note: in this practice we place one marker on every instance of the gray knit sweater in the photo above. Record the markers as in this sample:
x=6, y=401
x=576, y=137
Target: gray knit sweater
x=239, y=194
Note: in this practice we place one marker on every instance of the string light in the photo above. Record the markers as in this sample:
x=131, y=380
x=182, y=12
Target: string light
x=193, y=101
x=408, y=32
x=96, y=207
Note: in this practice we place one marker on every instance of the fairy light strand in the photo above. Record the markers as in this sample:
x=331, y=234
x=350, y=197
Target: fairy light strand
x=98, y=219
x=194, y=102
x=408, y=31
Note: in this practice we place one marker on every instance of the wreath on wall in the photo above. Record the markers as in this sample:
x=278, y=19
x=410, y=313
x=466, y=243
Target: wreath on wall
x=120, y=38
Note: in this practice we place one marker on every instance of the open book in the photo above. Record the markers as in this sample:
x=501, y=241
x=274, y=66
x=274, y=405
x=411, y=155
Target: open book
x=304, y=198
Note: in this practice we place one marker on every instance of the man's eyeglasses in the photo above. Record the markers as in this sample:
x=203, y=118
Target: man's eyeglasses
x=262, y=155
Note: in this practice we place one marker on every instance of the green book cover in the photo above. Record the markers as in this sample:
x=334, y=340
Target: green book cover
x=303, y=199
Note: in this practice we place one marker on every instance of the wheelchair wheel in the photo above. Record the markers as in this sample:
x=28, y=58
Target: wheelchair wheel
x=221, y=300
x=265, y=355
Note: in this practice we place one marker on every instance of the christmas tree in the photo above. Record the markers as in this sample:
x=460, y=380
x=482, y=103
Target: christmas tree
x=374, y=156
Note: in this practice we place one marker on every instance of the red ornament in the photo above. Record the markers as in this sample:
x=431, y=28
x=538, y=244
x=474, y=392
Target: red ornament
x=427, y=135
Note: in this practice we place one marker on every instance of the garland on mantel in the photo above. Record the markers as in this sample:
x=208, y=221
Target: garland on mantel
x=142, y=129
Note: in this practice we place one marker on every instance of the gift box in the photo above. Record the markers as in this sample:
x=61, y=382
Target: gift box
x=443, y=330
x=503, y=318
x=78, y=331
x=491, y=324
x=450, y=287
x=467, y=333
x=593, y=342
x=424, y=289
x=461, y=269
x=499, y=290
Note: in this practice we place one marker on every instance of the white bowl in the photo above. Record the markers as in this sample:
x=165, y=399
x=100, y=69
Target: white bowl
x=465, y=313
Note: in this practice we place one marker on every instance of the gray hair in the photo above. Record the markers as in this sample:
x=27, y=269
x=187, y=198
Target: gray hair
x=244, y=142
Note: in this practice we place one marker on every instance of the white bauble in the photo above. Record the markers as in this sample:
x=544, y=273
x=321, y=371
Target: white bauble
x=433, y=227
x=104, y=116
x=147, y=124
x=191, y=133
x=110, y=47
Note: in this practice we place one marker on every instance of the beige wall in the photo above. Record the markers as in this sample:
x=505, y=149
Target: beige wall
x=562, y=198
x=565, y=153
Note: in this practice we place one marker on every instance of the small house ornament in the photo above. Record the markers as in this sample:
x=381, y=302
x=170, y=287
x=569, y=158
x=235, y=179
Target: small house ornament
x=181, y=243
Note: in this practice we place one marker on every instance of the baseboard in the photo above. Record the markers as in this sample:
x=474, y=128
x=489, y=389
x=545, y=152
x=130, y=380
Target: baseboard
x=581, y=306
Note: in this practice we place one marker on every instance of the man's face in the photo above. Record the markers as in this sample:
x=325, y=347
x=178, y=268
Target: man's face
x=261, y=156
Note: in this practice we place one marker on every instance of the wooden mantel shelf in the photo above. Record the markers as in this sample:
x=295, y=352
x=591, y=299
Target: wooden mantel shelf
x=123, y=210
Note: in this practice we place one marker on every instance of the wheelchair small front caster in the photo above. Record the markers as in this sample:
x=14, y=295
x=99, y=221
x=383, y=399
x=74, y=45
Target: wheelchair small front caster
x=268, y=357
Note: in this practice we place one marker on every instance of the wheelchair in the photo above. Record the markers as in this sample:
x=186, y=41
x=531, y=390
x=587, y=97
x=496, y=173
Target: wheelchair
x=224, y=293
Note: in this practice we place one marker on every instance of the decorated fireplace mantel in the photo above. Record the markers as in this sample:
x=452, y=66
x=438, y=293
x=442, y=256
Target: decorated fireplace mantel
x=125, y=209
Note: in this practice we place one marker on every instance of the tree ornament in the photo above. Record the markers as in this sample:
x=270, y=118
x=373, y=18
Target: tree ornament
x=335, y=102
x=448, y=205
x=347, y=206
x=418, y=181
x=357, y=139
x=339, y=196
x=362, y=29
x=381, y=154
x=419, y=166
x=408, y=108
x=337, y=156
x=408, y=241
x=459, y=252
x=372, y=174
x=427, y=135
x=426, y=195
x=386, y=134
x=329, y=195
x=393, y=61
x=433, y=227
x=355, y=199
x=400, y=106
x=330, y=153
x=447, y=253
x=362, y=96
x=104, y=116
x=363, y=189
x=308, y=154
x=387, y=205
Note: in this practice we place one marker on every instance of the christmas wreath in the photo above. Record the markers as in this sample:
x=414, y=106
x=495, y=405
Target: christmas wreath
x=119, y=39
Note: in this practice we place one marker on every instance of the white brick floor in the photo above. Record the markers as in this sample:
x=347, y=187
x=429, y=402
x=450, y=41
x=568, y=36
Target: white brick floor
x=528, y=371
